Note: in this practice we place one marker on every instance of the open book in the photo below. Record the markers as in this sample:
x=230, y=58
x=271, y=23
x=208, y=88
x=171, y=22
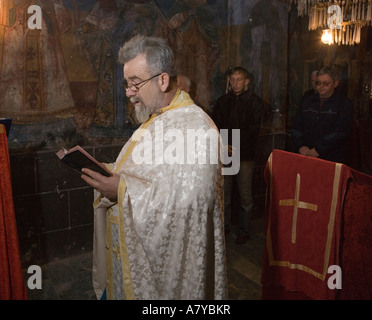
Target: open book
x=77, y=158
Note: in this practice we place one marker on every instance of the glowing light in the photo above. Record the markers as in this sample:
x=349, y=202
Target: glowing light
x=327, y=37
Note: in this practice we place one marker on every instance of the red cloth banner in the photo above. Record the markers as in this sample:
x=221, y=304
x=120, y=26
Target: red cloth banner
x=303, y=218
x=12, y=286
x=356, y=242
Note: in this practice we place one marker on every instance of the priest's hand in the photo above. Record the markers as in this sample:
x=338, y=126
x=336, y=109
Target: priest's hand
x=107, y=186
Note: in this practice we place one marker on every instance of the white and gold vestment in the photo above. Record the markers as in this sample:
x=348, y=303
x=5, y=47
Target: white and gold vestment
x=164, y=238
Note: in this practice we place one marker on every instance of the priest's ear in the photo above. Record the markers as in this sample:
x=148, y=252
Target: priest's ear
x=164, y=81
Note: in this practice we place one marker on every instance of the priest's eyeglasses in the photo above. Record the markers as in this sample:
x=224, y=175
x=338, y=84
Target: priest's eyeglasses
x=135, y=87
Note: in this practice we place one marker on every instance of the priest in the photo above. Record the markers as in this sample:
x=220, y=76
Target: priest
x=158, y=219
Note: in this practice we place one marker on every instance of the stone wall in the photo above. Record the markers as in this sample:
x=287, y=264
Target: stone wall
x=53, y=205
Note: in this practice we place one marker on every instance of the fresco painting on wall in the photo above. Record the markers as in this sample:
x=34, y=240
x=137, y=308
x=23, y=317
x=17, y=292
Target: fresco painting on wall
x=198, y=48
x=265, y=57
x=62, y=84
x=52, y=103
x=100, y=35
x=34, y=85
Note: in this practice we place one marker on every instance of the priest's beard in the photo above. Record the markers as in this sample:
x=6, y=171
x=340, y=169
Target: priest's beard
x=142, y=113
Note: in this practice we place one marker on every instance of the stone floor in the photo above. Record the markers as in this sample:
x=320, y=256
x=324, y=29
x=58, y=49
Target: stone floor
x=244, y=264
x=70, y=279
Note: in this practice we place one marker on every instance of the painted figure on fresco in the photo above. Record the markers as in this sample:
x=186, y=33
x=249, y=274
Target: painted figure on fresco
x=262, y=50
x=196, y=44
x=34, y=83
x=187, y=25
x=94, y=35
x=100, y=34
x=37, y=88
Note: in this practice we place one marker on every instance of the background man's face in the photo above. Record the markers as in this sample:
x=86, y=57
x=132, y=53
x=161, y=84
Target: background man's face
x=238, y=82
x=325, y=85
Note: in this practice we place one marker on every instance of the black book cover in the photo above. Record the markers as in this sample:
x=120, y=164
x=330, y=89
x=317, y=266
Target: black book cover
x=77, y=158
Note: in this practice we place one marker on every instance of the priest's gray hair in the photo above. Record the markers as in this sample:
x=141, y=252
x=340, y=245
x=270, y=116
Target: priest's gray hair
x=159, y=55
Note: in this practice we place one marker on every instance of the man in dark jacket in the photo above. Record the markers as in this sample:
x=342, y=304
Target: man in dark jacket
x=323, y=121
x=240, y=109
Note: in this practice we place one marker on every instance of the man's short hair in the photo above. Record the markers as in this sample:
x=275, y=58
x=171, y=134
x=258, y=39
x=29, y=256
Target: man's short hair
x=243, y=71
x=159, y=55
x=331, y=71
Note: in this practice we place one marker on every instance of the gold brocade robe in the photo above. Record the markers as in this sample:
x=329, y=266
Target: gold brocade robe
x=164, y=239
